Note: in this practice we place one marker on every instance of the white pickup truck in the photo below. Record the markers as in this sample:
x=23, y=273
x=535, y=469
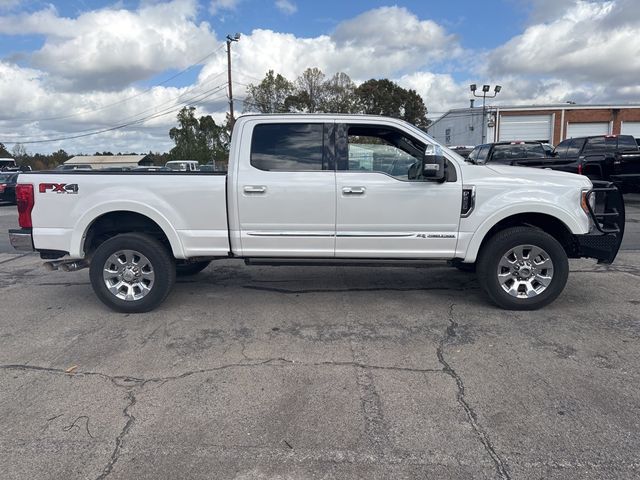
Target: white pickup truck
x=321, y=189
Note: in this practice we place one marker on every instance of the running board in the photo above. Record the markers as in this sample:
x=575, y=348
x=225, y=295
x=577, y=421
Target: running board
x=345, y=262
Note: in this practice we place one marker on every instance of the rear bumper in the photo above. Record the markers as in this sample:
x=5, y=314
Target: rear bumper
x=21, y=239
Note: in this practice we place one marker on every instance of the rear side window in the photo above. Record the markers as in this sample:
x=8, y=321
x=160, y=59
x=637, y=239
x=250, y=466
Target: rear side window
x=627, y=142
x=599, y=144
x=287, y=147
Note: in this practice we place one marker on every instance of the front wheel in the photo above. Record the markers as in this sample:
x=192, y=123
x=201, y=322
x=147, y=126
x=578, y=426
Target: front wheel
x=132, y=272
x=522, y=268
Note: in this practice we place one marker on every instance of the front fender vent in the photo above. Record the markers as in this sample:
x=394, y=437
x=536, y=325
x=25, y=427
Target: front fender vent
x=468, y=201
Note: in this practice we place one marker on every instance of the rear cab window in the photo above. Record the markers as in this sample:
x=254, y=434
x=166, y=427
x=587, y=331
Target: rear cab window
x=288, y=147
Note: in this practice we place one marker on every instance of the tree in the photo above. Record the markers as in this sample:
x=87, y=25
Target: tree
x=19, y=153
x=310, y=91
x=4, y=153
x=384, y=97
x=269, y=95
x=339, y=95
x=198, y=139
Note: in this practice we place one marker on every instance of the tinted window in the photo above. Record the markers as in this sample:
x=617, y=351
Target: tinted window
x=533, y=150
x=289, y=147
x=599, y=144
x=383, y=150
x=482, y=154
x=502, y=153
x=474, y=154
x=574, y=147
x=561, y=149
x=627, y=142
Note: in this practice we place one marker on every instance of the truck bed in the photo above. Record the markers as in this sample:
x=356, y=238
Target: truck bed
x=189, y=207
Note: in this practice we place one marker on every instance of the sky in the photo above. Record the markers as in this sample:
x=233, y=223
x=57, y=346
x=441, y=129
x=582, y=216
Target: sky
x=71, y=69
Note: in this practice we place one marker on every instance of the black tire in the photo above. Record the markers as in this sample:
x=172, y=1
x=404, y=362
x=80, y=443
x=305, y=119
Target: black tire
x=186, y=269
x=162, y=265
x=500, y=244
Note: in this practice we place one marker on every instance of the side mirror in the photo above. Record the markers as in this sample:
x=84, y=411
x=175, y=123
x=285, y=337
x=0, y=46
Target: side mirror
x=433, y=164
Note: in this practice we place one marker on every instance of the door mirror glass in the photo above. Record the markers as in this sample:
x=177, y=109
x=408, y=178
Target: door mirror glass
x=433, y=164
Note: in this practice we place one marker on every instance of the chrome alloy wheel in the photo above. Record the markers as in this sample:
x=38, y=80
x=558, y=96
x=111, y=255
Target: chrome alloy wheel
x=128, y=275
x=525, y=271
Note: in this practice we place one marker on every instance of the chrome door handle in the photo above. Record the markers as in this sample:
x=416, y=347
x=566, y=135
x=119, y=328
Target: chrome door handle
x=255, y=189
x=353, y=190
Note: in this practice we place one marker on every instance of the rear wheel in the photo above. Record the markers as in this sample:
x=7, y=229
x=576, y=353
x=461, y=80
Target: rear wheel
x=190, y=268
x=132, y=272
x=522, y=268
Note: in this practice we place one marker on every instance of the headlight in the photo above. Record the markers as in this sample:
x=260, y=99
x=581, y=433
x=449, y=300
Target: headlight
x=588, y=200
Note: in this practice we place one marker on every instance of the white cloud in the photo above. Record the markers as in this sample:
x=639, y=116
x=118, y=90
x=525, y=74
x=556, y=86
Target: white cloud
x=286, y=6
x=108, y=49
x=217, y=6
x=587, y=53
x=590, y=42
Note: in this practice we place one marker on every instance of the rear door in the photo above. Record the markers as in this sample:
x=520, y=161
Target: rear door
x=381, y=211
x=286, y=190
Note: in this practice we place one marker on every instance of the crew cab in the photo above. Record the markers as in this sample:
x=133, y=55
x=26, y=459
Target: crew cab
x=613, y=158
x=321, y=189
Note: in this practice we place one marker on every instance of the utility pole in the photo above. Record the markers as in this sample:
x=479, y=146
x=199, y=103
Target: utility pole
x=485, y=90
x=230, y=40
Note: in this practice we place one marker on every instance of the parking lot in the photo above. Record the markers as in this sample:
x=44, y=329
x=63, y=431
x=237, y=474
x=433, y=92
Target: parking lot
x=325, y=373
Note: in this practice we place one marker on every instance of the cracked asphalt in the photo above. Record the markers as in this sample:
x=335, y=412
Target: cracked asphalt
x=320, y=373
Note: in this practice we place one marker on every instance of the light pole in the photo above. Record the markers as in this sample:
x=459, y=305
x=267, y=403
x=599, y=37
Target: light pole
x=230, y=39
x=485, y=90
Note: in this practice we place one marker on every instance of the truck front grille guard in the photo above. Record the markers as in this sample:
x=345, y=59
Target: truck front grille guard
x=608, y=215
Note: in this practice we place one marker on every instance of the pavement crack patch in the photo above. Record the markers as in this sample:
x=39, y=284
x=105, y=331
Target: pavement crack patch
x=120, y=438
x=74, y=424
x=450, y=333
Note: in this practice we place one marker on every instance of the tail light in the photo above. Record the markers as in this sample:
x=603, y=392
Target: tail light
x=2, y=187
x=25, y=201
x=580, y=168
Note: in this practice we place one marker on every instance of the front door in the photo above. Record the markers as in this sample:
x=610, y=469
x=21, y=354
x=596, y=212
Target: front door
x=286, y=192
x=381, y=210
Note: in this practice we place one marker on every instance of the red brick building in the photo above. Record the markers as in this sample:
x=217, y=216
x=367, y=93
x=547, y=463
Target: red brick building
x=547, y=123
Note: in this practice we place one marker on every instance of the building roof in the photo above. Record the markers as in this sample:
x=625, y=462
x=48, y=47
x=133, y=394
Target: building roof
x=105, y=159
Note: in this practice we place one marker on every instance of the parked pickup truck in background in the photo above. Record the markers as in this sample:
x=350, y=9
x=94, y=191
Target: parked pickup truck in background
x=614, y=158
x=508, y=153
x=321, y=189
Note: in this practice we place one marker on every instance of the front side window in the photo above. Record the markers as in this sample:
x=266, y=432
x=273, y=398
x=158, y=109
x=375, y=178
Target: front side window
x=561, y=149
x=383, y=150
x=287, y=147
x=573, y=149
x=482, y=154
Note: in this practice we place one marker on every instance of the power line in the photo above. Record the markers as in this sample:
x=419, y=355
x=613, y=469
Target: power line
x=135, y=122
x=154, y=107
x=104, y=107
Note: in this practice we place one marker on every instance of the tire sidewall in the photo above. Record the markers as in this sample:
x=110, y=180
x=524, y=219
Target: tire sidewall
x=163, y=266
x=503, y=241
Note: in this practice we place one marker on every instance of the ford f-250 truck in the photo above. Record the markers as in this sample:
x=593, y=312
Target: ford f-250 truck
x=321, y=189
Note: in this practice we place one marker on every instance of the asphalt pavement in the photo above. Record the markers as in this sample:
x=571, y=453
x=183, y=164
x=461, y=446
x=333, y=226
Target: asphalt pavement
x=327, y=373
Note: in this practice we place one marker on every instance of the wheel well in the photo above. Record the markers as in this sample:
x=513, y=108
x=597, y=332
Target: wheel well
x=547, y=223
x=113, y=223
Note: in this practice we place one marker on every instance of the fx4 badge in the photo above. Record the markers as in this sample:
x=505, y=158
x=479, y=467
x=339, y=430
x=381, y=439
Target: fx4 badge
x=58, y=187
